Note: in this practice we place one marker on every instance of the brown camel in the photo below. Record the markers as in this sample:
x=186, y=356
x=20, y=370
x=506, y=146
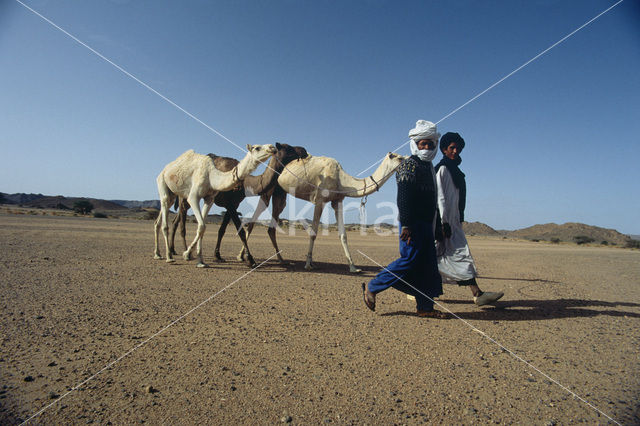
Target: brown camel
x=262, y=185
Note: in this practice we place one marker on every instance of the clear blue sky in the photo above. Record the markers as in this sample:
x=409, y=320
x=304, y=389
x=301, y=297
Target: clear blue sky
x=556, y=142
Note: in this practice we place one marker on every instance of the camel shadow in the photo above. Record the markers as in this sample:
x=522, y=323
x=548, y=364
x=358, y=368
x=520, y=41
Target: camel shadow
x=334, y=268
x=536, y=310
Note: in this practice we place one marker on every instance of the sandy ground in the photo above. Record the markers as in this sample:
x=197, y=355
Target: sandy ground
x=284, y=345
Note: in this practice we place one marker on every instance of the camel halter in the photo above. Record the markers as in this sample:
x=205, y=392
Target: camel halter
x=363, y=202
x=235, y=174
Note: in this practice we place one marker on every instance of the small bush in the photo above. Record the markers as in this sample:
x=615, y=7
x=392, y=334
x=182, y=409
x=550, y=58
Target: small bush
x=583, y=239
x=82, y=207
x=100, y=215
x=535, y=240
x=604, y=243
x=555, y=240
x=151, y=214
x=633, y=244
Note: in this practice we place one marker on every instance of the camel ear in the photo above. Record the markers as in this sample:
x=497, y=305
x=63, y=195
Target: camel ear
x=392, y=155
x=249, y=147
x=278, y=146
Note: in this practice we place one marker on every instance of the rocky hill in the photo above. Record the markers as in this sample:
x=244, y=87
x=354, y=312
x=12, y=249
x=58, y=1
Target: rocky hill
x=571, y=232
x=478, y=228
x=153, y=204
x=66, y=203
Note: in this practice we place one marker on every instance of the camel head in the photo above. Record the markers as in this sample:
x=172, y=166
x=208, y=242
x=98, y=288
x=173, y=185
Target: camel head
x=393, y=160
x=261, y=152
x=287, y=153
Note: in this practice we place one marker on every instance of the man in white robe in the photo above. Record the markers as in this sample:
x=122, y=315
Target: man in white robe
x=455, y=262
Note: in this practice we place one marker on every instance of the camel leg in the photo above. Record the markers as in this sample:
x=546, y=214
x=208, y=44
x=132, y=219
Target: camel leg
x=221, y=231
x=317, y=212
x=262, y=206
x=243, y=238
x=166, y=197
x=179, y=221
x=279, y=203
x=157, y=226
x=337, y=208
x=197, y=241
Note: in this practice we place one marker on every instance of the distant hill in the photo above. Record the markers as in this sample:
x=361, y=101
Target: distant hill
x=570, y=232
x=18, y=198
x=478, y=228
x=154, y=204
x=66, y=203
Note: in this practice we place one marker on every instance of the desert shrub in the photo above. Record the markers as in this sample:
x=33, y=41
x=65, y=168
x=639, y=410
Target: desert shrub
x=82, y=207
x=535, y=240
x=61, y=206
x=633, y=244
x=604, y=243
x=555, y=240
x=583, y=239
x=151, y=214
x=99, y=215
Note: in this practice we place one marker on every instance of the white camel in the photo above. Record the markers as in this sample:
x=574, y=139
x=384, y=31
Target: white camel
x=194, y=177
x=320, y=180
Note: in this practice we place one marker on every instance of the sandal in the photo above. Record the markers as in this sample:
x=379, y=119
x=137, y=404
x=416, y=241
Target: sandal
x=434, y=313
x=371, y=304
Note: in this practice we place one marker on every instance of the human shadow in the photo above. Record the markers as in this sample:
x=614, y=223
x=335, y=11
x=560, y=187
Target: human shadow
x=533, y=280
x=535, y=310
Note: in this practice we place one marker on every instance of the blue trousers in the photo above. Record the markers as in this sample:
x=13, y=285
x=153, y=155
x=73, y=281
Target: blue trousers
x=417, y=265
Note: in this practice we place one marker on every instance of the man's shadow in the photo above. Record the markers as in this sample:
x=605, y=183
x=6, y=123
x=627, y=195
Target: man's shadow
x=528, y=310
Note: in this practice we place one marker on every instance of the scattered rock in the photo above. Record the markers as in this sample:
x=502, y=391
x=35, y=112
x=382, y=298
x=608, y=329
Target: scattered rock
x=286, y=419
x=29, y=379
x=52, y=364
x=150, y=389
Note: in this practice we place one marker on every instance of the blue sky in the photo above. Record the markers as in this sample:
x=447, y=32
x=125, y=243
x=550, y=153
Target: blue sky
x=556, y=142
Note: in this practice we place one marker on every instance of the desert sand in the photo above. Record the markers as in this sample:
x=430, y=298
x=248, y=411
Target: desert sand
x=83, y=298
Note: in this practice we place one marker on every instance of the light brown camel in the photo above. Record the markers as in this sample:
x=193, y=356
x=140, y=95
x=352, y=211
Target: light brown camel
x=194, y=177
x=320, y=180
x=230, y=200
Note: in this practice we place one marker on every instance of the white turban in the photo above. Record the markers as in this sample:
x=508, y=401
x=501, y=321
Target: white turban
x=424, y=130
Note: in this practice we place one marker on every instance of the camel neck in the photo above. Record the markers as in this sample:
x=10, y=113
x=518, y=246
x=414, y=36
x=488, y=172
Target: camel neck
x=260, y=184
x=365, y=186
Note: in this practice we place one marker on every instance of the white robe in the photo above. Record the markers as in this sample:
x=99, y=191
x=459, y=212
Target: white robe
x=455, y=262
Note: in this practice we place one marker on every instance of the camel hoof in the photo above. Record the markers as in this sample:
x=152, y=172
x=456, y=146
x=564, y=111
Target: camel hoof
x=354, y=270
x=240, y=258
x=202, y=265
x=157, y=257
x=186, y=255
x=170, y=260
x=309, y=267
x=220, y=260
